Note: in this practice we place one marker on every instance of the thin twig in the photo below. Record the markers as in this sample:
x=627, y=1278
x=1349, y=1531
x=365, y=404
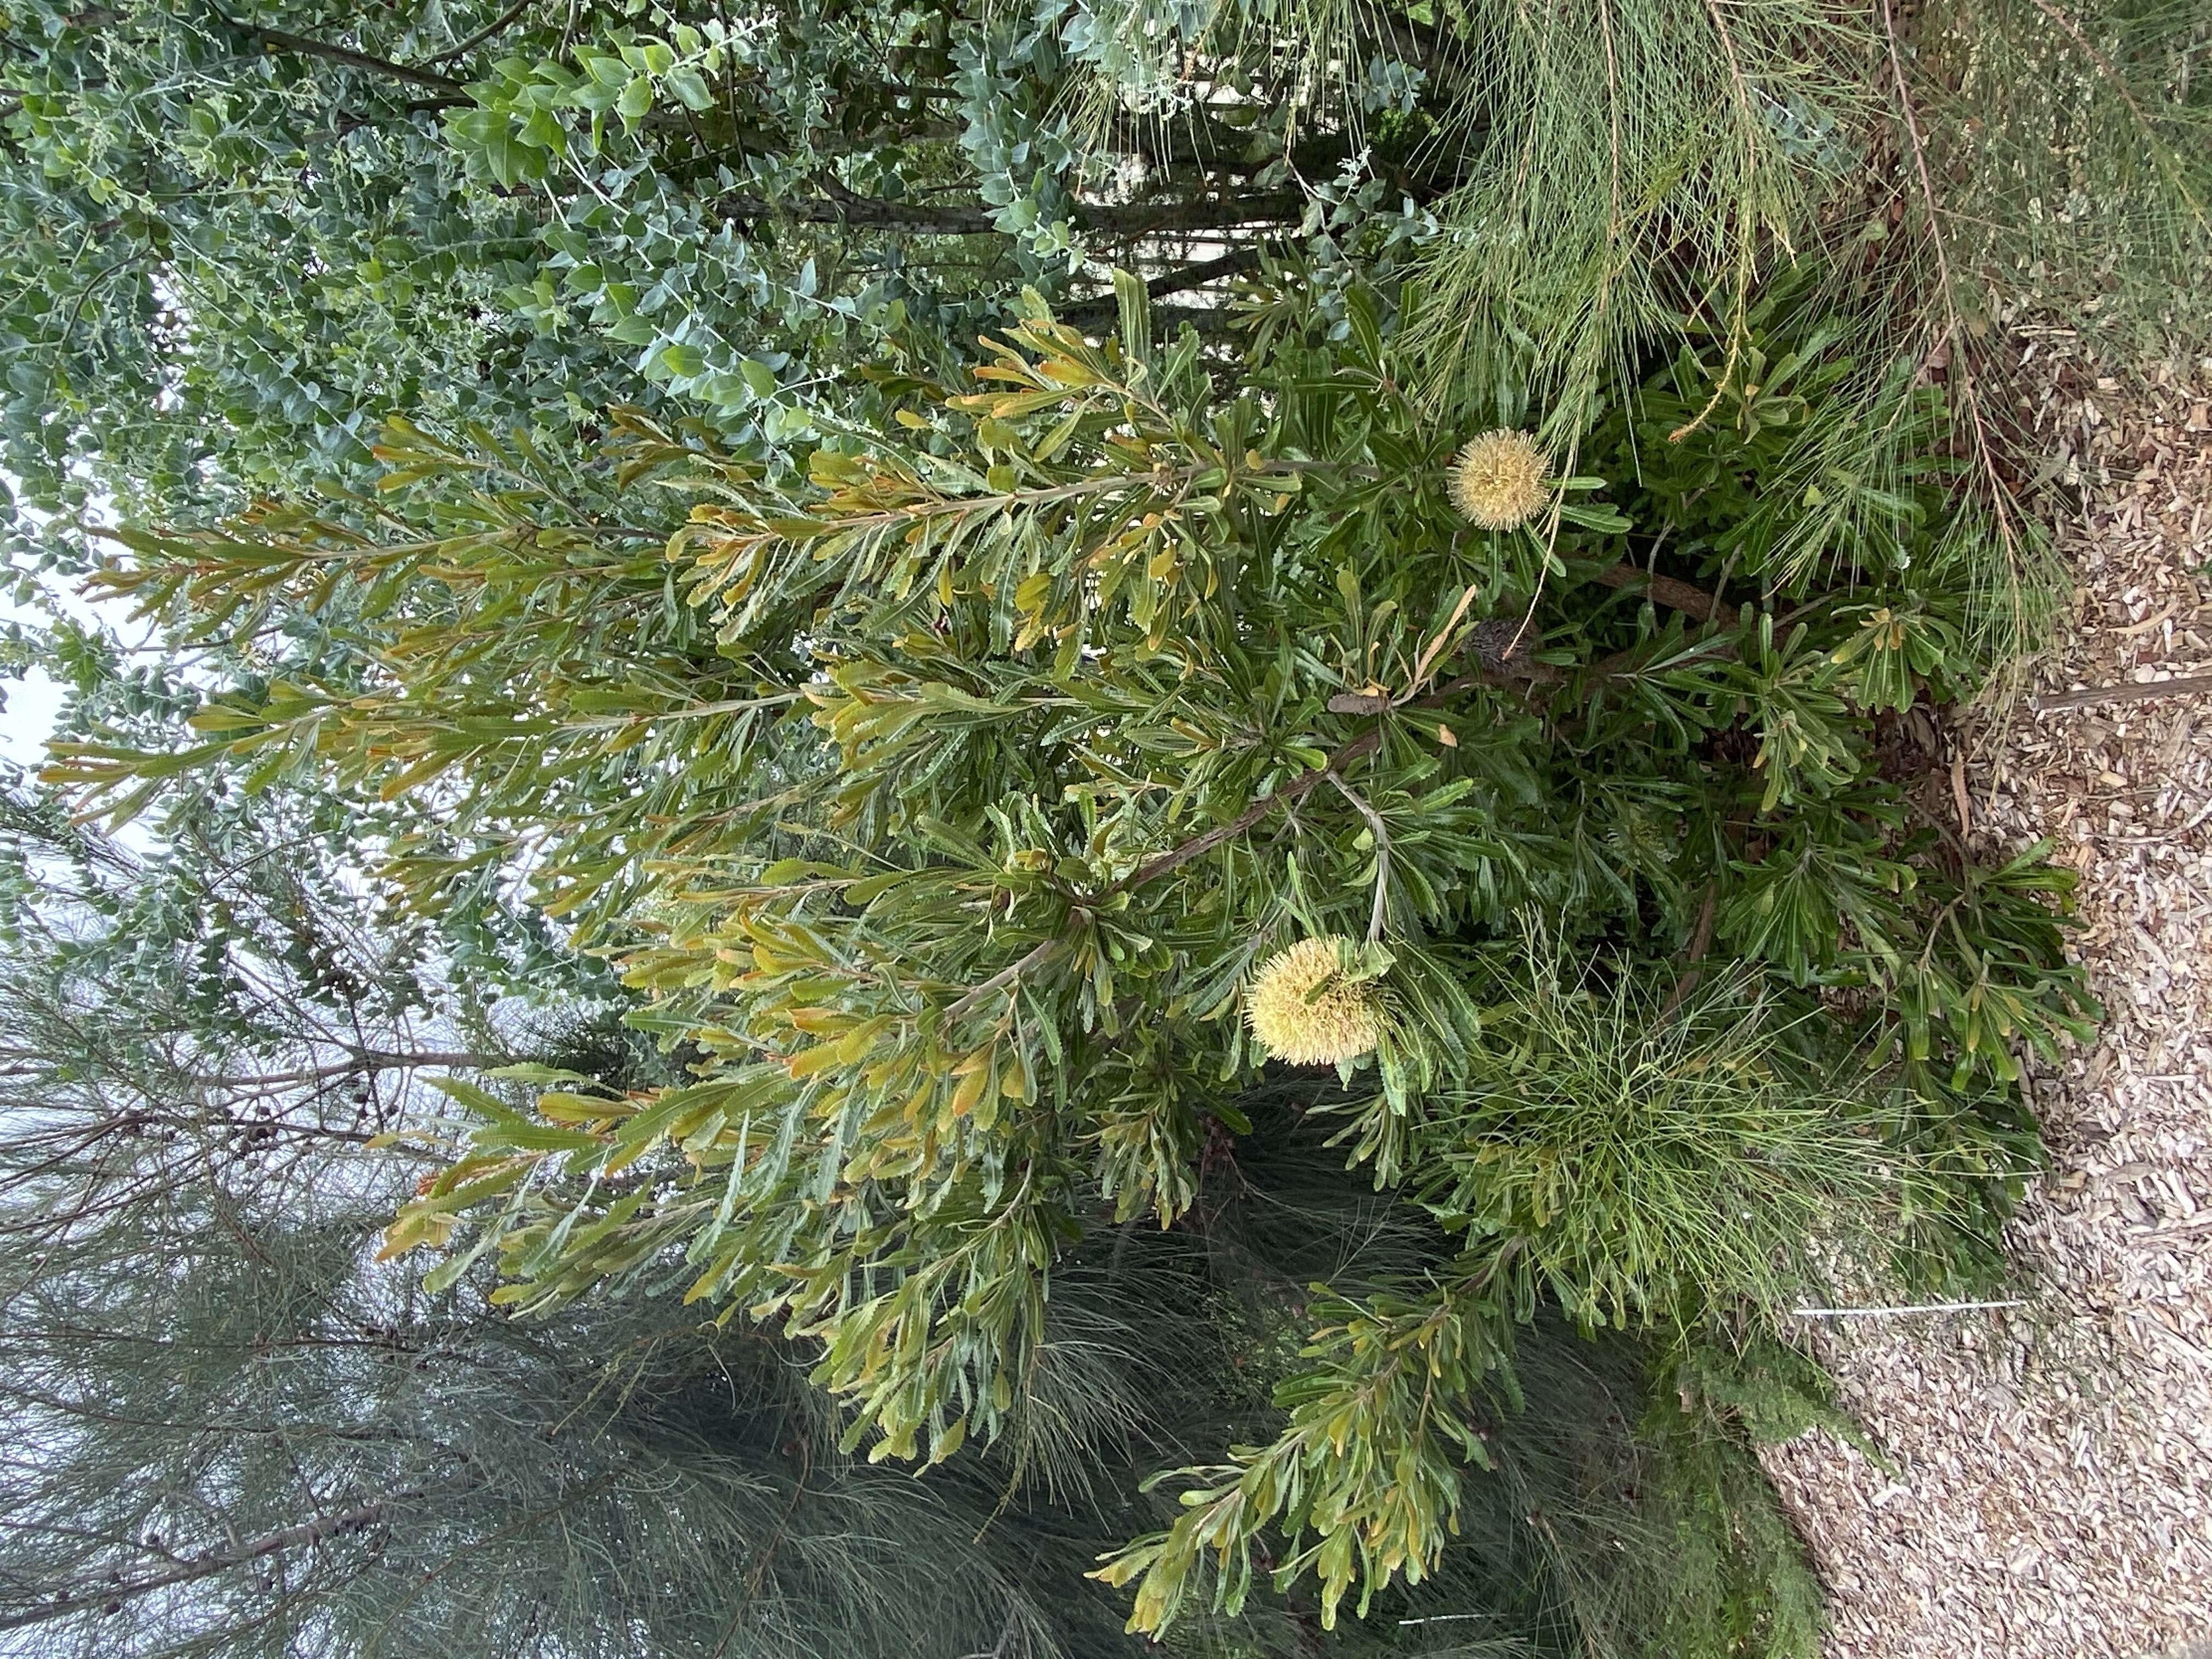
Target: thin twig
x=481, y=36
x=283, y=41
x=696, y=711
x=1004, y=977
x=1613, y=111
x=759, y=1574
x=76, y=307
x=1955, y=334
x=1365, y=743
x=941, y=506
x=361, y=1061
x=1674, y=594
x=307, y=1536
x=1747, y=125
x=1916, y=1308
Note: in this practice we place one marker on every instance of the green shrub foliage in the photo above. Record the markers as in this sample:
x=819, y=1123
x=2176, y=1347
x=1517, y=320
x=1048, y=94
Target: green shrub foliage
x=942, y=805
x=932, y=539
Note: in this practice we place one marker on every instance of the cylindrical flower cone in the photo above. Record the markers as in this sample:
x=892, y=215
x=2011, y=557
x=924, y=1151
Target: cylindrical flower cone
x=1497, y=481
x=1301, y=1010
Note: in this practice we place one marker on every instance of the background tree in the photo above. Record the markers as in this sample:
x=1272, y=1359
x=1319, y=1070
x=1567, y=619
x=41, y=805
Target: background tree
x=237, y=238
x=232, y=1430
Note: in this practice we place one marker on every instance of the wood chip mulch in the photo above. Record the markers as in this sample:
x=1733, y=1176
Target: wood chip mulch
x=2051, y=1497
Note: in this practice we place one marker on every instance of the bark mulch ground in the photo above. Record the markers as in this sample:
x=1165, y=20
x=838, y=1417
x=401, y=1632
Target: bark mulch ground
x=2052, y=1493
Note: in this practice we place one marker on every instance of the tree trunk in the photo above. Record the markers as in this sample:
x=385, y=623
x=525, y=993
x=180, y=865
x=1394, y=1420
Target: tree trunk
x=1181, y=280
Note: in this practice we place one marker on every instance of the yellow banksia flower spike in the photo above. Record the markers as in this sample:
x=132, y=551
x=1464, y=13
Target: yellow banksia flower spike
x=1497, y=481
x=1301, y=1011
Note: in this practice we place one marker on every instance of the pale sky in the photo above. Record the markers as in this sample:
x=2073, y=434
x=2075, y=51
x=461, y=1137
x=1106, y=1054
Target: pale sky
x=33, y=702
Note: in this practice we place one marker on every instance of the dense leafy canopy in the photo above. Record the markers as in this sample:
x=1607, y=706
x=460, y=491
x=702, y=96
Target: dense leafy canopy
x=943, y=804
x=524, y=214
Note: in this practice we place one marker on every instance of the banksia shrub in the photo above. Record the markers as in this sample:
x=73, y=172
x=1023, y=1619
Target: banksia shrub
x=1304, y=1012
x=935, y=801
x=1497, y=481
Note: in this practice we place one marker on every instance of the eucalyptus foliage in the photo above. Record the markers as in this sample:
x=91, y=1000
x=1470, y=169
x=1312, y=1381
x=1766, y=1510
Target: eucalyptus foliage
x=237, y=238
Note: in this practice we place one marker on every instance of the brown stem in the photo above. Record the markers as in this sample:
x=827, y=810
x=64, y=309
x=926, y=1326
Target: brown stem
x=1674, y=595
x=1693, y=953
x=1365, y=743
x=1006, y=977
x=281, y=40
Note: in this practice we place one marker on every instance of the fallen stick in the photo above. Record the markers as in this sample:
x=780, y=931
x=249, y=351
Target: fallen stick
x=2142, y=691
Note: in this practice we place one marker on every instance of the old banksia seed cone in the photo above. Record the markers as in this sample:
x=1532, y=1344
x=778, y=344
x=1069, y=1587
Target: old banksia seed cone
x=1498, y=480
x=1303, y=1011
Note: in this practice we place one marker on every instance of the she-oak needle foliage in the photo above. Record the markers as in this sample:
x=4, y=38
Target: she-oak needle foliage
x=950, y=806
